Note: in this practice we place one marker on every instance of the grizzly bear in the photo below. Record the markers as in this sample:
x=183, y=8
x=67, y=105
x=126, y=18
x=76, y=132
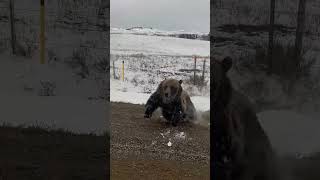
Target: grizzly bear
x=245, y=152
x=175, y=103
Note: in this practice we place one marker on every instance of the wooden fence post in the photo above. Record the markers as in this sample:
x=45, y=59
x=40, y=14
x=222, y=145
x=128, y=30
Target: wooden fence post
x=122, y=70
x=42, y=35
x=271, y=30
x=114, y=72
x=13, y=33
x=299, y=31
x=194, y=70
x=203, y=69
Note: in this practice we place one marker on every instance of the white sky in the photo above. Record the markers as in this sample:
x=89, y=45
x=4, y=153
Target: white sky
x=189, y=15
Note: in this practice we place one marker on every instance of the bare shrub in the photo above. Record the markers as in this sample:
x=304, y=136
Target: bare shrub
x=135, y=81
x=102, y=65
x=52, y=56
x=79, y=62
x=104, y=88
x=47, y=88
x=197, y=80
x=26, y=48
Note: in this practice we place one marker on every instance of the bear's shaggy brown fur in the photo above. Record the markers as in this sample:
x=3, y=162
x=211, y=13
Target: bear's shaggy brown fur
x=175, y=103
x=245, y=150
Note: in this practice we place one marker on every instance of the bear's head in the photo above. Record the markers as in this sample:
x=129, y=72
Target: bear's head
x=221, y=83
x=170, y=90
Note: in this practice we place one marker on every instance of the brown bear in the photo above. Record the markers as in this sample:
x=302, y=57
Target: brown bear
x=244, y=150
x=175, y=103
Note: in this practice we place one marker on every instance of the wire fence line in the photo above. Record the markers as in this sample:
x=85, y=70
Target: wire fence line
x=61, y=45
x=161, y=55
x=55, y=14
x=66, y=26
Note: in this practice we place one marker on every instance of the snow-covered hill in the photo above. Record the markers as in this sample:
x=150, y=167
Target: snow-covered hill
x=128, y=43
x=158, y=32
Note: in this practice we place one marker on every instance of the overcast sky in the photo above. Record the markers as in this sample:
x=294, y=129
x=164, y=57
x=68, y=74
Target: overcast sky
x=189, y=15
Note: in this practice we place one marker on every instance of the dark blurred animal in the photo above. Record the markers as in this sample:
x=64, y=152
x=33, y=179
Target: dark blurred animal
x=246, y=153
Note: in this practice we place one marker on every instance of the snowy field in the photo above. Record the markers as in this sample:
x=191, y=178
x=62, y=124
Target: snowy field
x=149, y=59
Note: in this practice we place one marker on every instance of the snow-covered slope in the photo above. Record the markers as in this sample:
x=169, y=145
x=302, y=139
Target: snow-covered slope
x=133, y=44
x=150, y=31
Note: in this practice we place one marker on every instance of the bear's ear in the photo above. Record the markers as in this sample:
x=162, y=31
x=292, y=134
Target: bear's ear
x=180, y=81
x=226, y=63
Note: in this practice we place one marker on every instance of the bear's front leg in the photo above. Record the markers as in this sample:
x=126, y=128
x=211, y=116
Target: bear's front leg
x=177, y=117
x=149, y=111
x=152, y=104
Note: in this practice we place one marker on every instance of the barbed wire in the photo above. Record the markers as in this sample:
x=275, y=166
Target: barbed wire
x=73, y=27
x=58, y=10
x=161, y=55
x=63, y=45
x=59, y=45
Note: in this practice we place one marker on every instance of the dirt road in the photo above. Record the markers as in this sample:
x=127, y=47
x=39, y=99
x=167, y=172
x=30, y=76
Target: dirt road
x=34, y=153
x=140, y=148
